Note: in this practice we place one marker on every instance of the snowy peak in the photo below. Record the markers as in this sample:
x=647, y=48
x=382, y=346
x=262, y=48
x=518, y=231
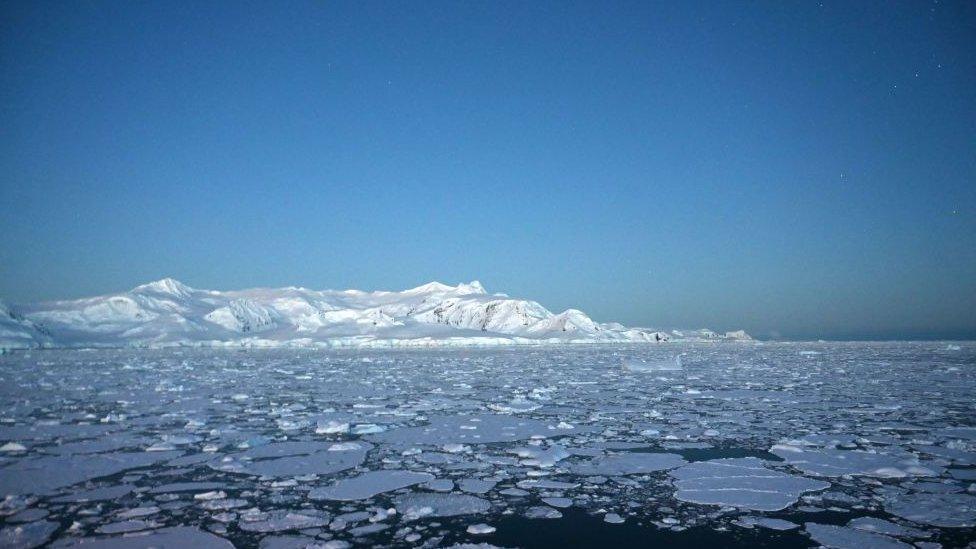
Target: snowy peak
x=166, y=286
x=473, y=287
x=169, y=313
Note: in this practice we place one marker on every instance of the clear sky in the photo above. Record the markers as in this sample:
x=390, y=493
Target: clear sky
x=801, y=169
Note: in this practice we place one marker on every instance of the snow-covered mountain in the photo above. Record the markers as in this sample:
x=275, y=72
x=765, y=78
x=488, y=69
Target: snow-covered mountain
x=170, y=313
x=16, y=332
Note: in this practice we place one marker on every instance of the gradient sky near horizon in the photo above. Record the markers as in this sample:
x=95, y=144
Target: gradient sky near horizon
x=796, y=169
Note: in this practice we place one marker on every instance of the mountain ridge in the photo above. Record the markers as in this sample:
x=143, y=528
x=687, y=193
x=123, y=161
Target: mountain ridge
x=167, y=312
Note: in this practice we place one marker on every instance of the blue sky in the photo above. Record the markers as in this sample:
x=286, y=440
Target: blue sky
x=800, y=169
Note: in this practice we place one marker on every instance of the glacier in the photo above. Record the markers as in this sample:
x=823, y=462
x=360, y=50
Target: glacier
x=168, y=313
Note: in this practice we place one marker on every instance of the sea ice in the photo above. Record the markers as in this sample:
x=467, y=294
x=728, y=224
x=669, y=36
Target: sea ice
x=27, y=536
x=627, y=464
x=830, y=462
x=886, y=426
x=439, y=505
x=297, y=459
x=946, y=510
x=879, y=526
x=283, y=520
x=480, y=529
x=767, y=522
x=487, y=428
x=841, y=537
x=542, y=512
x=165, y=538
x=41, y=475
x=741, y=482
x=369, y=484
x=643, y=366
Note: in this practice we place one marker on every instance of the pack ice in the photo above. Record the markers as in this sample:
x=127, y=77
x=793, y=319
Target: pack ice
x=837, y=444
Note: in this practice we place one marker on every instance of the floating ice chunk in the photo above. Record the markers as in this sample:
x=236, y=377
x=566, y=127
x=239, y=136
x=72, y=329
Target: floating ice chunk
x=561, y=503
x=43, y=474
x=126, y=526
x=832, y=462
x=106, y=443
x=29, y=515
x=542, y=484
x=369, y=484
x=967, y=433
x=542, y=512
x=768, y=523
x=292, y=424
x=301, y=459
x=367, y=429
x=189, y=460
x=963, y=474
x=516, y=406
x=186, y=487
x=613, y=518
x=842, y=537
x=879, y=526
x=27, y=536
x=215, y=494
x=278, y=521
x=367, y=529
x=289, y=542
x=957, y=455
x=281, y=449
x=178, y=537
x=489, y=428
x=223, y=504
x=418, y=505
x=535, y=456
x=440, y=485
x=138, y=512
x=161, y=447
x=332, y=427
x=13, y=447
x=946, y=510
x=345, y=447
x=653, y=366
x=628, y=464
x=181, y=440
x=480, y=529
x=97, y=494
x=477, y=485
x=741, y=482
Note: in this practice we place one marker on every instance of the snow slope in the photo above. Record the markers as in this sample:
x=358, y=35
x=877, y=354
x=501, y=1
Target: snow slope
x=17, y=332
x=170, y=313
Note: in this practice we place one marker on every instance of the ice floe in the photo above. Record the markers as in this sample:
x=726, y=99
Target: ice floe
x=842, y=537
x=628, y=464
x=741, y=482
x=27, y=536
x=947, y=510
x=439, y=505
x=369, y=484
